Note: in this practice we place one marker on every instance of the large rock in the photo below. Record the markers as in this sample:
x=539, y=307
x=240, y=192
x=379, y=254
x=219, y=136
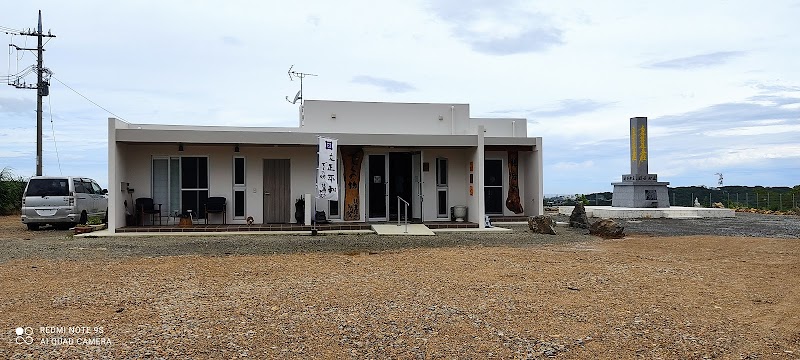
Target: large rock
x=578, y=218
x=542, y=224
x=607, y=228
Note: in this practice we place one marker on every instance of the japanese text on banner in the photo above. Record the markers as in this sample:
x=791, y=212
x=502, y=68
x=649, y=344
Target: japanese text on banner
x=327, y=179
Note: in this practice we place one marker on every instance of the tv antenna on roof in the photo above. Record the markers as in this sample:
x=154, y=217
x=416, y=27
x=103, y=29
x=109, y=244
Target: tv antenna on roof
x=300, y=75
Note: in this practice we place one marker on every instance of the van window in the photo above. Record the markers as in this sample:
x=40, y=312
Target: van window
x=48, y=187
x=79, y=188
x=97, y=188
x=88, y=186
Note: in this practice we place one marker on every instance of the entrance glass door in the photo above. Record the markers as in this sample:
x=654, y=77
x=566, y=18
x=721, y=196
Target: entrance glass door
x=493, y=186
x=377, y=191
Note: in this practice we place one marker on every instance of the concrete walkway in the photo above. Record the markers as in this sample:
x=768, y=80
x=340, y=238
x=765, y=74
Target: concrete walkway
x=674, y=212
x=394, y=229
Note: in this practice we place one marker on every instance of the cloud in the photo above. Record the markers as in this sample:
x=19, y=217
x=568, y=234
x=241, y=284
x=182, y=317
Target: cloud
x=773, y=88
x=313, y=20
x=568, y=165
x=570, y=107
x=727, y=114
x=533, y=40
x=17, y=106
x=13, y=153
x=739, y=156
x=498, y=27
x=388, y=85
x=697, y=61
x=231, y=40
x=755, y=130
x=566, y=107
x=776, y=100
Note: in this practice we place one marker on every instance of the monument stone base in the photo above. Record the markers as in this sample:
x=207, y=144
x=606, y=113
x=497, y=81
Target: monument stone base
x=640, y=194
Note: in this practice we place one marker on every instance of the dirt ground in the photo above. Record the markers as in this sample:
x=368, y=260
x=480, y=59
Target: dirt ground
x=575, y=298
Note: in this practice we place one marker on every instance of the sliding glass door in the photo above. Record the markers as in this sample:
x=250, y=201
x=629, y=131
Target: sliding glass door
x=180, y=184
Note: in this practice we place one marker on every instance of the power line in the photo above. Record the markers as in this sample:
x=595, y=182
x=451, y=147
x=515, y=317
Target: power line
x=87, y=99
x=53, y=130
x=9, y=30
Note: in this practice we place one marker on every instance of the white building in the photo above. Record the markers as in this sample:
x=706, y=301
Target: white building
x=434, y=156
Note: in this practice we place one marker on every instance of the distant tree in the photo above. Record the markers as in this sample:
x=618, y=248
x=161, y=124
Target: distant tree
x=11, y=189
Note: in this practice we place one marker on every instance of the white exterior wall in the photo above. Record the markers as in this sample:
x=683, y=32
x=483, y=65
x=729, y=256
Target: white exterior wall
x=476, y=201
x=403, y=118
x=116, y=171
x=533, y=192
x=457, y=178
x=501, y=127
x=386, y=118
x=138, y=172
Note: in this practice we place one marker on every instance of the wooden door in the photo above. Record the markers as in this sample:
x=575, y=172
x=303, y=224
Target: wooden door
x=277, y=190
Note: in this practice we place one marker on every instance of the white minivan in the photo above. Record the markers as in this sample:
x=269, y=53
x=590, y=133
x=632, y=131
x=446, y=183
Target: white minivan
x=62, y=201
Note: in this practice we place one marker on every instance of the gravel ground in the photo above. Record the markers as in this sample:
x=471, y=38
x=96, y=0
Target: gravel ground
x=744, y=224
x=457, y=295
x=16, y=242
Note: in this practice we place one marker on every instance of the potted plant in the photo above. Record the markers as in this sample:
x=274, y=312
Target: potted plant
x=185, y=220
x=300, y=210
x=94, y=223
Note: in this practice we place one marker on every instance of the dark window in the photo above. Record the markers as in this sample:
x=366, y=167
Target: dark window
x=493, y=187
x=189, y=173
x=442, y=202
x=441, y=171
x=194, y=200
x=238, y=203
x=238, y=171
x=194, y=173
x=333, y=208
x=494, y=200
x=202, y=173
x=48, y=187
x=494, y=173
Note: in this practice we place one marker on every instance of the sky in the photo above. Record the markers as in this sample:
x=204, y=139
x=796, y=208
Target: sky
x=718, y=80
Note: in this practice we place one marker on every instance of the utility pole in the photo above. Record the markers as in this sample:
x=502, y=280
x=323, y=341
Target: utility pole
x=42, y=85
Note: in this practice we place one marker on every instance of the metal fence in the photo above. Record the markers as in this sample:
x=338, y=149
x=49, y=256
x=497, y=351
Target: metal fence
x=757, y=200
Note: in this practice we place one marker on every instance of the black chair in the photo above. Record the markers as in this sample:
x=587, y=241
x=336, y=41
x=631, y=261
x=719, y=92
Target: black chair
x=145, y=206
x=216, y=204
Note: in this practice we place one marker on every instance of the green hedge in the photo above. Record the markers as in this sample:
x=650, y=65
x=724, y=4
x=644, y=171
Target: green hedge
x=11, y=189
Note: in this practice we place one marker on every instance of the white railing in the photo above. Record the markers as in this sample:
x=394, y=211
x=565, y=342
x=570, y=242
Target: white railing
x=405, y=213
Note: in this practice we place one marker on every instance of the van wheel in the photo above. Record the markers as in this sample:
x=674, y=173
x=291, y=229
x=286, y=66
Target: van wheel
x=84, y=218
x=33, y=227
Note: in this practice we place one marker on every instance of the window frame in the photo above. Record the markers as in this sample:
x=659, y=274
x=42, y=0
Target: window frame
x=239, y=187
x=442, y=186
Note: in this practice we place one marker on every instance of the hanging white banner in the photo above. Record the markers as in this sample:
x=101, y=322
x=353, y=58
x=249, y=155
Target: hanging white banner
x=327, y=179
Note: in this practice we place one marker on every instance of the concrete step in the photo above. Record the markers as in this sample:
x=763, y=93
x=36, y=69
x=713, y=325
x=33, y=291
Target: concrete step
x=394, y=229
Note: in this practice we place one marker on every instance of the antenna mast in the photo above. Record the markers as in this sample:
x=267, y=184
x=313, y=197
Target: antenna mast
x=719, y=182
x=300, y=75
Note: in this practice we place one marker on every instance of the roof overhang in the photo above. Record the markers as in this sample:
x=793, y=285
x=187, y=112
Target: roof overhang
x=194, y=136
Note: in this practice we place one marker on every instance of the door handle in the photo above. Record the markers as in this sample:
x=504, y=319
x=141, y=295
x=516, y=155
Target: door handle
x=266, y=192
